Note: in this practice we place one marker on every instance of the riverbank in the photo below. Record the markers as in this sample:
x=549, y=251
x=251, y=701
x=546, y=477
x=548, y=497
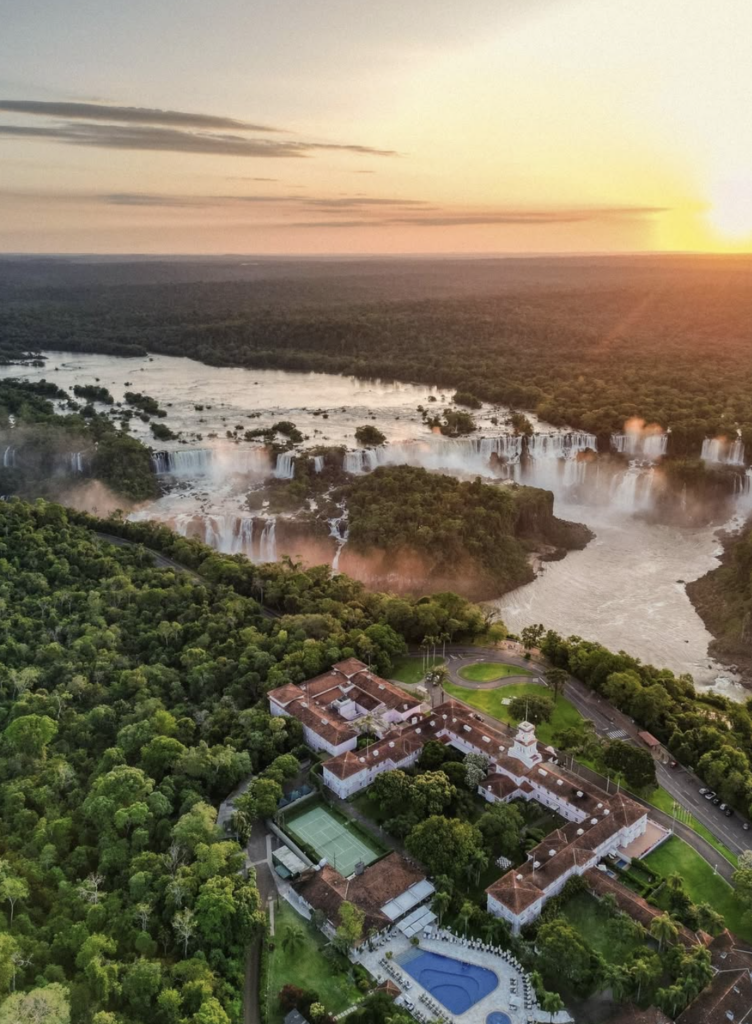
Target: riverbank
x=723, y=600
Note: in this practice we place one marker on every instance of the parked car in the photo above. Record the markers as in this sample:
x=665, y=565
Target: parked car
x=704, y=790
x=673, y=764
x=728, y=812
x=722, y=807
x=745, y=826
x=709, y=795
x=716, y=801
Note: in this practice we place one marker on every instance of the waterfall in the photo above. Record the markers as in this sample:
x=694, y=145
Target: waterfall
x=340, y=534
x=469, y=454
x=318, y=463
x=723, y=451
x=268, y=545
x=637, y=443
x=191, y=463
x=560, y=446
x=285, y=468
x=76, y=462
x=9, y=458
x=631, y=491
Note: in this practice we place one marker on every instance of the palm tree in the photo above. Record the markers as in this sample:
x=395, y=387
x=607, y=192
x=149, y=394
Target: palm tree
x=663, y=929
x=479, y=862
x=672, y=999
x=709, y=919
x=642, y=974
x=618, y=980
x=293, y=938
x=441, y=901
x=466, y=912
x=552, y=1003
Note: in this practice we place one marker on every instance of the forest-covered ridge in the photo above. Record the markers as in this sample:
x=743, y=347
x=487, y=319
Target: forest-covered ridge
x=469, y=535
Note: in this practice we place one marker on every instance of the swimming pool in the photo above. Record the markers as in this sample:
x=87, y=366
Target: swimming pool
x=497, y=1017
x=456, y=984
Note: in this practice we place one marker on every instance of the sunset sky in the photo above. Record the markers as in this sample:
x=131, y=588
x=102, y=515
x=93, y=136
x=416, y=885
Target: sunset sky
x=398, y=126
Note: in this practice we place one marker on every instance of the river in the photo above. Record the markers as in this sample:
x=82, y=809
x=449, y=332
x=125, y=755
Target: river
x=625, y=589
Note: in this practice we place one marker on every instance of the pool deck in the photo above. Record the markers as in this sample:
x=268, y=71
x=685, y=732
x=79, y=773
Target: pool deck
x=500, y=999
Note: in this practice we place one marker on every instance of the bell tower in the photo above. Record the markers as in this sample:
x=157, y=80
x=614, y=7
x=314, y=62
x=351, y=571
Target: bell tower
x=525, y=746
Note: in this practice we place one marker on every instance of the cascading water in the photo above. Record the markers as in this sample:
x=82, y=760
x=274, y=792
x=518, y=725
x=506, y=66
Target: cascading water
x=318, y=463
x=193, y=463
x=640, y=444
x=338, y=529
x=268, y=544
x=285, y=467
x=720, y=450
x=9, y=458
x=560, y=446
x=76, y=462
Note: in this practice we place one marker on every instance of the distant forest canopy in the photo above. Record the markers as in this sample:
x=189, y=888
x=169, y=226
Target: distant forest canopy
x=585, y=342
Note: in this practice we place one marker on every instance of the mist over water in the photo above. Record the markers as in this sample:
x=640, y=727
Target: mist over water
x=625, y=589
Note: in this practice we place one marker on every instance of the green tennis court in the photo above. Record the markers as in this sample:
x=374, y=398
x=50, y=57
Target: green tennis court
x=332, y=838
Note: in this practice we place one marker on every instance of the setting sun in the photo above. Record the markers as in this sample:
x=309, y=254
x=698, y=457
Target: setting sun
x=731, y=209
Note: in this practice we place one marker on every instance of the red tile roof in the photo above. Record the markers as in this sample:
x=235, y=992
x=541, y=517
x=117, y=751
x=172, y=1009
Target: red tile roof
x=381, y=882
x=632, y=904
x=728, y=997
x=312, y=702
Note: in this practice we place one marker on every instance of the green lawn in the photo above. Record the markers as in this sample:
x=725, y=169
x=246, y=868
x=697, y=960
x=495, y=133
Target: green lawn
x=565, y=714
x=305, y=967
x=488, y=671
x=595, y=925
x=663, y=800
x=700, y=881
x=412, y=670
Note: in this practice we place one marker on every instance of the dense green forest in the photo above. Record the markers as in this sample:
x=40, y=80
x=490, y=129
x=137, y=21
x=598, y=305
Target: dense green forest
x=584, y=342
x=131, y=704
x=470, y=535
x=40, y=440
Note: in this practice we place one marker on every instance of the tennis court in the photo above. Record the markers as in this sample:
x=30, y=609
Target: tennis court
x=332, y=838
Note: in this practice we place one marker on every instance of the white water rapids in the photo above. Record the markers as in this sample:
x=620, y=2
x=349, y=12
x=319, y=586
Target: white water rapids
x=624, y=589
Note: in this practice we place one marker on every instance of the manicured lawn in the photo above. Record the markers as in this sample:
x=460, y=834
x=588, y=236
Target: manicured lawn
x=590, y=919
x=412, y=670
x=663, y=800
x=305, y=967
x=700, y=881
x=565, y=716
x=488, y=671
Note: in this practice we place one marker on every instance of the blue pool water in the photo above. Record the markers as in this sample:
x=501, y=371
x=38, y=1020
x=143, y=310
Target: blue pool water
x=497, y=1017
x=454, y=983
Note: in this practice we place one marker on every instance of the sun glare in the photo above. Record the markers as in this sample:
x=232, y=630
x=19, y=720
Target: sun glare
x=730, y=211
